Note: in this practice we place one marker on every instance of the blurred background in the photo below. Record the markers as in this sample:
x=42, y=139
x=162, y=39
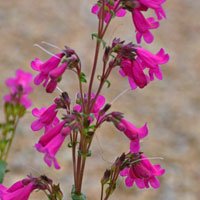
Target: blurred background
x=170, y=107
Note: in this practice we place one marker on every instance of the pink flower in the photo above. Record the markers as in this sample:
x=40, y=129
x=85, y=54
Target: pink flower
x=24, y=100
x=22, y=79
x=152, y=61
x=100, y=101
x=21, y=190
x=50, y=143
x=143, y=173
x=143, y=26
x=133, y=133
x=156, y=5
x=46, y=118
x=20, y=88
x=47, y=70
x=134, y=71
x=107, y=14
x=55, y=74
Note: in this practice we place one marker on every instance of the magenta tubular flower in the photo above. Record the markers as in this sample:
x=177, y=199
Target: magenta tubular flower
x=143, y=26
x=143, y=173
x=55, y=74
x=46, y=117
x=22, y=79
x=152, y=61
x=120, y=11
x=100, y=101
x=50, y=143
x=58, y=72
x=20, y=88
x=98, y=104
x=45, y=68
x=134, y=71
x=156, y=5
x=18, y=191
x=133, y=133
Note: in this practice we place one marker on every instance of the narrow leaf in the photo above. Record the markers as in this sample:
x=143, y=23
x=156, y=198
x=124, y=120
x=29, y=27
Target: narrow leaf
x=3, y=165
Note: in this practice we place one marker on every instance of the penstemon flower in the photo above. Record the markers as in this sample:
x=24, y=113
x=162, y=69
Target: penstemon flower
x=133, y=133
x=20, y=88
x=109, y=11
x=21, y=190
x=47, y=70
x=51, y=141
x=46, y=118
x=143, y=173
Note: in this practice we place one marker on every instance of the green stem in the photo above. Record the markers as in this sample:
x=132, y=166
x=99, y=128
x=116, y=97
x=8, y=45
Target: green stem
x=98, y=44
x=102, y=189
x=16, y=121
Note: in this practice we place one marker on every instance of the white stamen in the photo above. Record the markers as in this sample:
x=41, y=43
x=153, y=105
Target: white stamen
x=46, y=51
x=59, y=89
x=118, y=96
x=51, y=45
x=152, y=158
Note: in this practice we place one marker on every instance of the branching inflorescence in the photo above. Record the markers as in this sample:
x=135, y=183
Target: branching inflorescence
x=81, y=121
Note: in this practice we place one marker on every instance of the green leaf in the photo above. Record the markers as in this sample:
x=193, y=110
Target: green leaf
x=8, y=127
x=59, y=79
x=95, y=35
x=108, y=82
x=106, y=8
x=77, y=196
x=3, y=165
x=3, y=144
x=9, y=109
x=112, y=189
x=88, y=154
x=82, y=74
x=70, y=145
x=99, y=77
x=20, y=110
x=57, y=192
x=93, y=127
x=82, y=78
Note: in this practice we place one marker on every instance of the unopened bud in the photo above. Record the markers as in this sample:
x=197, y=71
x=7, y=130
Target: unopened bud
x=69, y=51
x=117, y=115
x=105, y=109
x=106, y=54
x=66, y=98
x=106, y=176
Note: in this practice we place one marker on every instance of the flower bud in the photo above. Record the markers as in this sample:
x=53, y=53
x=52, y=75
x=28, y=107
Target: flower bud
x=106, y=54
x=69, y=51
x=106, y=176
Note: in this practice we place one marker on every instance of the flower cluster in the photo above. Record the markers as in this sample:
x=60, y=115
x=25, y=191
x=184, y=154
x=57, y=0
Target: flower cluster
x=133, y=61
x=21, y=190
x=142, y=172
x=20, y=88
x=136, y=7
x=49, y=72
x=54, y=134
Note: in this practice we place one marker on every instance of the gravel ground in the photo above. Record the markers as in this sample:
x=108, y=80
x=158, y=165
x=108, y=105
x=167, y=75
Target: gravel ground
x=170, y=107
